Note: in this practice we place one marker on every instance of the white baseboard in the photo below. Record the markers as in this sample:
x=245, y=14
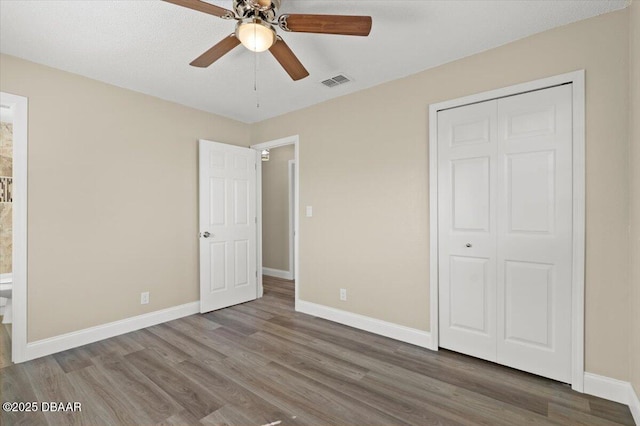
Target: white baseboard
x=613, y=390
x=278, y=273
x=634, y=404
x=372, y=325
x=606, y=387
x=74, y=339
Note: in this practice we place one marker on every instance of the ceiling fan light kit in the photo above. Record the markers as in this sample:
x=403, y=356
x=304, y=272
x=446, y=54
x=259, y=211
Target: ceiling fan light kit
x=256, y=31
x=255, y=34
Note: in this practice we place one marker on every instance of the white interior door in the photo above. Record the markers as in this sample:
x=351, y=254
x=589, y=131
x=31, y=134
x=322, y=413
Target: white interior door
x=505, y=230
x=535, y=232
x=467, y=229
x=228, y=236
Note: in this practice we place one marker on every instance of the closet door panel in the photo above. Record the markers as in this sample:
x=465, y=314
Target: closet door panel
x=534, y=239
x=467, y=229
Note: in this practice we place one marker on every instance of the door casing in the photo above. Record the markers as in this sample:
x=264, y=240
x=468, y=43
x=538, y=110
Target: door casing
x=577, y=79
x=291, y=168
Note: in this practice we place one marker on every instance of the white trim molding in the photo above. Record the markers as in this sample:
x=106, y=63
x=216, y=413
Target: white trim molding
x=19, y=107
x=607, y=388
x=576, y=79
x=634, y=404
x=291, y=172
x=6, y=278
x=278, y=273
x=613, y=390
x=74, y=339
x=394, y=331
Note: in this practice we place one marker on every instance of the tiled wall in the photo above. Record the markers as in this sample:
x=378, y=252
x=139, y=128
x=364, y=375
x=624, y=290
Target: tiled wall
x=6, y=180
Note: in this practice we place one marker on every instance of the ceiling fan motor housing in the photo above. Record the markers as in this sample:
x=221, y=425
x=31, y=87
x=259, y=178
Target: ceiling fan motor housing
x=267, y=10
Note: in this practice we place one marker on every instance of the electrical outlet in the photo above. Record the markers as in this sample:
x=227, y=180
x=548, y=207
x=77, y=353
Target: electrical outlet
x=144, y=298
x=343, y=294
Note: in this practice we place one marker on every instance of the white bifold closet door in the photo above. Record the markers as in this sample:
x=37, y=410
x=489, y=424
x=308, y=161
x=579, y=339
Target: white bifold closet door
x=505, y=230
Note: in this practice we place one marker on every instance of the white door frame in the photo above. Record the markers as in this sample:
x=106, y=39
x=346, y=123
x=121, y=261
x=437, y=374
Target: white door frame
x=19, y=104
x=289, y=140
x=291, y=168
x=576, y=78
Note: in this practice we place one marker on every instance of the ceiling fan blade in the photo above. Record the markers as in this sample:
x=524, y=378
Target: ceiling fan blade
x=288, y=60
x=326, y=24
x=205, y=7
x=216, y=52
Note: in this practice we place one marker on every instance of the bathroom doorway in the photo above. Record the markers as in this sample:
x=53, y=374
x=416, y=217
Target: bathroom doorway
x=13, y=228
x=6, y=234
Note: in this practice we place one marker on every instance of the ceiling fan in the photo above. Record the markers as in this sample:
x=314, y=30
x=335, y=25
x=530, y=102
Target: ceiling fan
x=255, y=29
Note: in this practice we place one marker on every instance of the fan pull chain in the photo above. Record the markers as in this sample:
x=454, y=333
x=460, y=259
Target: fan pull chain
x=255, y=79
x=255, y=72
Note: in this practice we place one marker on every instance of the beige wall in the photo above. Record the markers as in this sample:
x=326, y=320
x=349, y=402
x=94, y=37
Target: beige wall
x=634, y=162
x=275, y=208
x=366, y=176
x=112, y=197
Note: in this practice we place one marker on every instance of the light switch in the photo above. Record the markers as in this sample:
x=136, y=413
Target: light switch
x=309, y=211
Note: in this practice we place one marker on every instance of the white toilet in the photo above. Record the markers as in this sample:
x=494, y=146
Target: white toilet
x=5, y=303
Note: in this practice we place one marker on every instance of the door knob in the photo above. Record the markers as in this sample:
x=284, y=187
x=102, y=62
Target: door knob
x=206, y=234
x=468, y=245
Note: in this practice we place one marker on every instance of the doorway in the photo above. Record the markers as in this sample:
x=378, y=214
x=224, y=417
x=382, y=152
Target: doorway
x=13, y=225
x=6, y=239
x=231, y=222
x=278, y=211
x=507, y=226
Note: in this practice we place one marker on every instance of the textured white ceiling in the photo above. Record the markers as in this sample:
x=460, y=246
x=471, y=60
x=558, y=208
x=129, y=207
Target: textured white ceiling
x=146, y=46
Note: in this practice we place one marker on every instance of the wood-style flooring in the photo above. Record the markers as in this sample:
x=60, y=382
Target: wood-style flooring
x=261, y=362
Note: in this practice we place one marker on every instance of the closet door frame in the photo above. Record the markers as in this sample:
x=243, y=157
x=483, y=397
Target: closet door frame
x=577, y=79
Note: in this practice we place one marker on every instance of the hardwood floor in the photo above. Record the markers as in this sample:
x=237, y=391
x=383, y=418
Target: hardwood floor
x=261, y=362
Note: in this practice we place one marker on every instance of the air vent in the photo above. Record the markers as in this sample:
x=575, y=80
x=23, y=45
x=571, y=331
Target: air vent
x=336, y=80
